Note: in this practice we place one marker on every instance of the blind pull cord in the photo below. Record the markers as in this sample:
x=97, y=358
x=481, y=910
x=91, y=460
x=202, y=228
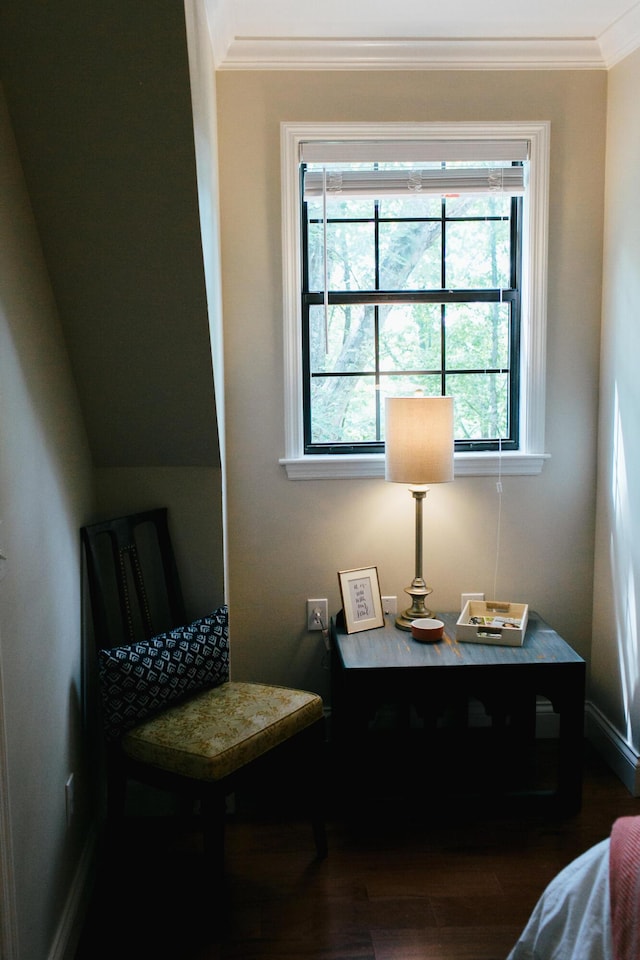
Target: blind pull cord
x=325, y=261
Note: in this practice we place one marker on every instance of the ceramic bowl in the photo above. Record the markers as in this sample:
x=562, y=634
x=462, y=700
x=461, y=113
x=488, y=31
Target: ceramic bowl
x=427, y=631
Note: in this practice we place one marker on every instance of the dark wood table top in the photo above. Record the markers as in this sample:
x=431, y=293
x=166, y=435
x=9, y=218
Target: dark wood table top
x=388, y=647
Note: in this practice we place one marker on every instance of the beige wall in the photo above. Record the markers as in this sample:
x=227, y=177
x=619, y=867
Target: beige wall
x=45, y=496
x=287, y=539
x=616, y=645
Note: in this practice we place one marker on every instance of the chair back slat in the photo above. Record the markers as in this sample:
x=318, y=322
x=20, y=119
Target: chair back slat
x=133, y=580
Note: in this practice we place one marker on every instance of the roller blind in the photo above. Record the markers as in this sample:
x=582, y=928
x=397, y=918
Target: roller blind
x=411, y=151
x=499, y=176
x=376, y=183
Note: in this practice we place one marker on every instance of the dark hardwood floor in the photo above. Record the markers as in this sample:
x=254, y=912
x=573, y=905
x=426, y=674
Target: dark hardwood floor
x=409, y=876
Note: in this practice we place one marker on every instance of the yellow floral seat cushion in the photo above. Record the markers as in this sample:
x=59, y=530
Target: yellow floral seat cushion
x=218, y=731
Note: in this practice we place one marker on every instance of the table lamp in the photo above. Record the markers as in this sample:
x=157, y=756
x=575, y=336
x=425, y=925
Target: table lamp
x=418, y=451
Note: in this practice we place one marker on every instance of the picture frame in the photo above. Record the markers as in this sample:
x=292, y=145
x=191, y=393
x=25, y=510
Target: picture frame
x=361, y=599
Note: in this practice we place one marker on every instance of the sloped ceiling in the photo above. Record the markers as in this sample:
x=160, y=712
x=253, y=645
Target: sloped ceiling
x=99, y=99
x=414, y=34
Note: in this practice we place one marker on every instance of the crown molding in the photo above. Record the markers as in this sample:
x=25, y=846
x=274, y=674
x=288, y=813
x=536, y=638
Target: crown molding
x=621, y=38
x=325, y=53
x=233, y=49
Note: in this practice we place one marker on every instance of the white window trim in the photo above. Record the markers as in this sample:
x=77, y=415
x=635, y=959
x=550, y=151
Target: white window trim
x=530, y=458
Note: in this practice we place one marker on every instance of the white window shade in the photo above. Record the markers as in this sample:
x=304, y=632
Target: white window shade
x=413, y=151
x=497, y=175
x=444, y=182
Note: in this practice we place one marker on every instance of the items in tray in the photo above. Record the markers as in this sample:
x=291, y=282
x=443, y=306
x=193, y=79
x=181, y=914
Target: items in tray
x=496, y=622
x=492, y=621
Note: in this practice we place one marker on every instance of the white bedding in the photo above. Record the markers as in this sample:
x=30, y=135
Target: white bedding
x=572, y=919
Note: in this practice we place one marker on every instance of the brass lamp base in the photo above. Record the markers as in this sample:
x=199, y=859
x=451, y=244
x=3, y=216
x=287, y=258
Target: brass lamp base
x=418, y=591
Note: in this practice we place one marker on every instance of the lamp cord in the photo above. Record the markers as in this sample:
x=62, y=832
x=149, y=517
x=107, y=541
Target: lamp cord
x=326, y=658
x=500, y=189
x=499, y=523
x=325, y=264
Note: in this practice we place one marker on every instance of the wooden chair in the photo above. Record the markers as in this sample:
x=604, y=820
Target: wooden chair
x=172, y=716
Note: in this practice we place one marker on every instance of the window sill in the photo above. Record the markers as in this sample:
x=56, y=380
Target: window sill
x=372, y=465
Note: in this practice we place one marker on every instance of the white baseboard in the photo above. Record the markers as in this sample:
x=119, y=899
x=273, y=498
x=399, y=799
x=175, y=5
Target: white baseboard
x=623, y=759
x=69, y=929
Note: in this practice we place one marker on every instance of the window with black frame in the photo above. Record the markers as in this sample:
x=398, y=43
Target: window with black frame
x=411, y=280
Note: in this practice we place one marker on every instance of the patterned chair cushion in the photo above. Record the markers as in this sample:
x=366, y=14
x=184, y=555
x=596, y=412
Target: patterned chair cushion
x=218, y=731
x=139, y=679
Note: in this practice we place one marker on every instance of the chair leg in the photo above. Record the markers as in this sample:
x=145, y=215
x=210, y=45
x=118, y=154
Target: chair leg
x=315, y=785
x=213, y=810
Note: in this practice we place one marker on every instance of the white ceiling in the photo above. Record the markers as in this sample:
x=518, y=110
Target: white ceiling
x=422, y=34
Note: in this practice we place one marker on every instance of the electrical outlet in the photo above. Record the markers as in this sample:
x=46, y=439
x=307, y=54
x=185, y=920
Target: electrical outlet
x=317, y=614
x=390, y=605
x=69, y=798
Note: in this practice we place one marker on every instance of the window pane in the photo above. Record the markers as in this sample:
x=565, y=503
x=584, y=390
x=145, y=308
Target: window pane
x=350, y=256
x=480, y=405
x=410, y=255
x=477, y=254
x=410, y=337
x=477, y=335
x=483, y=205
x=351, y=343
x=341, y=208
x=343, y=409
x=410, y=206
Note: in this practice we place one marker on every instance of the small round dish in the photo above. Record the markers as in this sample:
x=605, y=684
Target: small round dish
x=427, y=630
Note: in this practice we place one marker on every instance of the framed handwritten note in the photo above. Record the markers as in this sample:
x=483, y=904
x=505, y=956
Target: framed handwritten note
x=361, y=599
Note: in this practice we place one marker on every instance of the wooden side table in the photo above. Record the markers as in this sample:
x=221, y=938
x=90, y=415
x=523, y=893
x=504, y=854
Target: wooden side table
x=385, y=665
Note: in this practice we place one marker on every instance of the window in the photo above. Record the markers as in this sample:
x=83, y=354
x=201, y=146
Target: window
x=414, y=259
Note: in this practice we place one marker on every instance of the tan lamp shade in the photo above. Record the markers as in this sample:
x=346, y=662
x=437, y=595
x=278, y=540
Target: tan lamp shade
x=419, y=439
